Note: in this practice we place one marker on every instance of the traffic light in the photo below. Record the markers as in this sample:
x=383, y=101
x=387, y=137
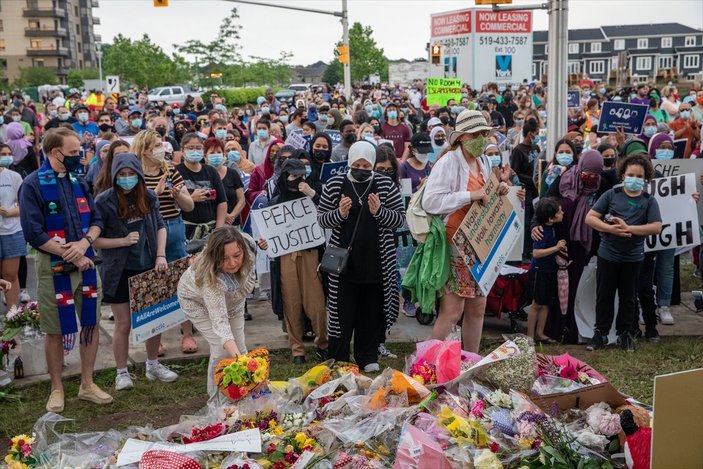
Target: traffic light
x=160, y=3
x=436, y=54
x=343, y=54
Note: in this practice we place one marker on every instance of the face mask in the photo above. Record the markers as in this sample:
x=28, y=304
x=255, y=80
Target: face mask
x=221, y=107
x=159, y=154
x=319, y=155
x=330, y=120
x=578, y=147
x=161, y=131
x=83, y=116
x=542, y=115
x=248, y=112
x=495, y=160
x=384, y=102
x=565, y=159
x=216, y=159
x=685, y=114
x=360, y=175
x=590, y=181
x=221, y=134
x=283, y=119
x=5, y=161
x=422, y=157
x=392, y=115
x=234, y=156
x=71, y=163
x=2, y=120
x=16, y=118
x=444, y=120
x=64, y=116
x=601, y=90
x=369, y=108
x=105, y=127
x=127, y=182
x=368, y=136
x=634, y=184
x=263, y=134
x=650, y=130
x=476, y=146
x=54, y=113
x=176, y=111
x=349, y=139
x=376, y=128
x=194, y=156
x=662, y=154
x=293, y=185
x=608, y=162
x=439, y=142
x=519, y=122
x=322, y=117
x=137, y=123
x=264, y=110
x=386, y=172
x=455, y=109
x=308, y=170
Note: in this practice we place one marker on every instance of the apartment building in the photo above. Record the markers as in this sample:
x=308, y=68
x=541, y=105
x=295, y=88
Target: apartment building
x=57, y=34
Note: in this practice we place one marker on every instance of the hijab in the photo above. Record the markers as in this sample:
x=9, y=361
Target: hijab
x=17, y=142
x=571, y=187
x=268, y=165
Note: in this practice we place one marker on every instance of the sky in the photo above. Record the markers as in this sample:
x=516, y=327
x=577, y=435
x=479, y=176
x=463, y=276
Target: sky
x=401, y=27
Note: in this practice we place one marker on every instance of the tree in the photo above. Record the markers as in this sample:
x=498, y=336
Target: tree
x=261, y=71
x=365, y=56
x=334, y=73
x=36, y=76
x=75, y=78
x=143, y=63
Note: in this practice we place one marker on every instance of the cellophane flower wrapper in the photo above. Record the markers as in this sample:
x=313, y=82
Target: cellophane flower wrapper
x=438, y=361
x=517, y=372
x=331, y=397
x=567, y=367
x=237, y=377
x=396, y=389
x=547, y=384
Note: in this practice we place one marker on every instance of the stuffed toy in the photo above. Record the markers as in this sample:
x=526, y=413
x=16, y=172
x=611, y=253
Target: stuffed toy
x=638, y=442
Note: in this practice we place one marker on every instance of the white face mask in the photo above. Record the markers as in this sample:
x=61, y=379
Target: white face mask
x=422, y=157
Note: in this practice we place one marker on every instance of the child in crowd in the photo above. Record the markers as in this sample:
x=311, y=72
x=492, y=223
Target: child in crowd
x=544, y=265
x=624, y=215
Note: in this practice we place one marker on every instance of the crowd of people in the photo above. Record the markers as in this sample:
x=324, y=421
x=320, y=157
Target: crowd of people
x=127, y=184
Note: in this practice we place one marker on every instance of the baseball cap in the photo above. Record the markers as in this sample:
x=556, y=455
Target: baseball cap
x=293, y=166
x=434, y=121
x=421, y=142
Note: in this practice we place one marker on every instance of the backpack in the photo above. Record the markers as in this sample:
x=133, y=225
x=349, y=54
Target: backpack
x=418, y=220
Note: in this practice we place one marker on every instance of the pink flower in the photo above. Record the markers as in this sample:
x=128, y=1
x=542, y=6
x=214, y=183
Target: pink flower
x=569, y=372
x=26, y=450
x=478, y=408
x=252, y=365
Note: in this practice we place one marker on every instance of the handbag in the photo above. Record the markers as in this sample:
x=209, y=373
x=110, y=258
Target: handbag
x=335, y=259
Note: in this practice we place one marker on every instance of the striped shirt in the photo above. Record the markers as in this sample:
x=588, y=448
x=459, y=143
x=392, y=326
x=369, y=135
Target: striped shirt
x=167, y=204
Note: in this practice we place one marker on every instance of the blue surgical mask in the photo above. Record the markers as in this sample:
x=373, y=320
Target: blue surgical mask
x=194, y=156
x=368, y=136
x=16, y=118
x=650, y=130
x=664, y=154
x=495, y=160
x=265, y=110
x=137, y=123
x=64, y=116
x=633, y=184
x=248, y=112
x=392, y=115
x=283, y=119
x=83, y=116
x=234, y=156
x=369, y=108
x=543, y=114
x=602, y=90
x=263, y=134
x=455, y=109
x=221, y=107
x=565, y=159
x=322, y=117
x=216, y=159
x=308, y=170
x=685, y=114
x=5, y=161
x=127, y=182
x=54, y=113
x=221, y=134
x=176, y=111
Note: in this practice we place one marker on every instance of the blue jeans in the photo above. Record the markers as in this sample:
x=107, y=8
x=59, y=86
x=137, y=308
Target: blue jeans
x=664, y=273
x=175, y=239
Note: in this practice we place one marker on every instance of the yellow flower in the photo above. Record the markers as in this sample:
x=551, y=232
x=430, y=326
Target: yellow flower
x=300, y=438
x=264, y=463
x=487, y=460
x=309, y=442
x=525, y=443
x=272, y=423
x=276, y=431
x=13, y=464
x=259, y=375
x=419, y=379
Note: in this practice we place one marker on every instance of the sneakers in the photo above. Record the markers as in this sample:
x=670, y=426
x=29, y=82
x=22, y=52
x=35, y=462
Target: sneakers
x=321, y=354
x=161, y=373
x=597, y=342
x=94, y=394
x=24, y=297
x=299, y=359
x=55, y=402
x=372, y=368
x=385, y=353
x=123, y=381
x=627, y=343
x=665, y=316
x=409, y=309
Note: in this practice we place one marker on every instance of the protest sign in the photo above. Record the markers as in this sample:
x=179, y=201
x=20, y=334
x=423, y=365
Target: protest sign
x=676, y=167
x=289, y=226
x=500, y=138
x=332, y=169
x=441, y=90
x=617, y=114
x=335, y=136
x=298, y=140
x=153, y=301
x=519, y=208
x=573, y=98
x=680, y=147
x=678, y=212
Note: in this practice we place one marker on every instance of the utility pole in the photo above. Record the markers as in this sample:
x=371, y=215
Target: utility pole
x=99, y=55
x=558, y=40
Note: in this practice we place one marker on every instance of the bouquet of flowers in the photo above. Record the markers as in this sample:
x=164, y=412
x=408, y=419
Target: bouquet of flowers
x=288, y=450
x=567, y=367
x=393, y=388
x=438, y=361
x=236, y=377
x=19, y=454
x=299, y=388
x=205, y=434
x=19, y=318
x=5, y=347
x=466, y=431
x=266, y=422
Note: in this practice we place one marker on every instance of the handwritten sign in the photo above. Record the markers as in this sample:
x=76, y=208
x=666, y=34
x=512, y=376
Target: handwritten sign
x=683, y=166
x=298, y=140
x=335, y=136
x=573, y=98
x=289, y=226
x=617, y=114
x=678, y=212
x=153, y=301
x=441, y=90
x=332, y=169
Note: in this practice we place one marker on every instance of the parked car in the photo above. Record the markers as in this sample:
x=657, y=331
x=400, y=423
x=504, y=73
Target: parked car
x=172, y=94
x=299, y=87
x=286, y=96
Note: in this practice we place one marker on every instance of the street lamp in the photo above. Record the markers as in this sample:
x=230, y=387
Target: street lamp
x=99, y=55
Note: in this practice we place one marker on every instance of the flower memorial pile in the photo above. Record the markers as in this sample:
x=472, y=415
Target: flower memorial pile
x=486, y=417
x=26, y=317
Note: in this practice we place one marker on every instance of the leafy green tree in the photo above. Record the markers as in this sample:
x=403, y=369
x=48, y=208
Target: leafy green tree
x=74, y=78
x=143, y=63
x=365, y=56
x=334, y=73
x=36, y=76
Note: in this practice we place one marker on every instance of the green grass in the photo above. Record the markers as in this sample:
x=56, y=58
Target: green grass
x=161, y=404
x=688, y=281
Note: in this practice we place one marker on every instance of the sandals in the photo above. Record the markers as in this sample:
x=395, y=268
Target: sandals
x=188, y=345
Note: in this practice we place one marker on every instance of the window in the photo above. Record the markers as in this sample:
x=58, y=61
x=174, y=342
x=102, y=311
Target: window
x=80, y=47
x=642, y=43
x=597, y=67
x=35, y=44
x=534, y=69
x=643, y=63
x=619, y=44
x=690, y=41
x=37, y=63
x=546, y=49
x=75, y=10
x=574, y=67
x=573, y=48
x=544, y=68
x=666, y=61
x=666, y=42
x=595, y=47
x=691, y=61
x=78, y=29
x=1, y=27
x=165, y=92
x=2, y=44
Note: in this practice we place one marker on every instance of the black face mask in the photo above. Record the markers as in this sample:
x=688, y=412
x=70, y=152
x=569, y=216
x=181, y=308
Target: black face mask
x=608, y=162
x=293, y=185
x=199, y=107
x=578, y=147
x=319, y=155
x=161, y=131
x=444, y=120
x=376, y=129
x=105, y=127
x=439, y=142
x=361, y=175
x=71, y=162
x=349, y=139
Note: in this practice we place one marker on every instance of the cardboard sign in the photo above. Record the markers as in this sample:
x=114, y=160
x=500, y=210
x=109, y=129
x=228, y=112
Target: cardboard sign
x=676, y=167
x=153, y=301
x=298, y=140
x=678, y=211
x=289, y=226
x=519, y=208
x=573, y=98
x=617, y=114
x=678, y=420
x=332, y=169
x=441, y=90
x=335, y=136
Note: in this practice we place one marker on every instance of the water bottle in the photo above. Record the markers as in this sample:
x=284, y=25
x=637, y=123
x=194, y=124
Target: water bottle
x=551, y=177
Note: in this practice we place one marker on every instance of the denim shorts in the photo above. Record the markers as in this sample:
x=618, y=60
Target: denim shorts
x=12, y=245
x=175, y=239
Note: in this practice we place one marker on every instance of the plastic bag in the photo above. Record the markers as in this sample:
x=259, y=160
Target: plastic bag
x=394, y=389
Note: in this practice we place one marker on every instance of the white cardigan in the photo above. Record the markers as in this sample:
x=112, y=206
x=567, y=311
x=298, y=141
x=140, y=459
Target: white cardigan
x=445, y=191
